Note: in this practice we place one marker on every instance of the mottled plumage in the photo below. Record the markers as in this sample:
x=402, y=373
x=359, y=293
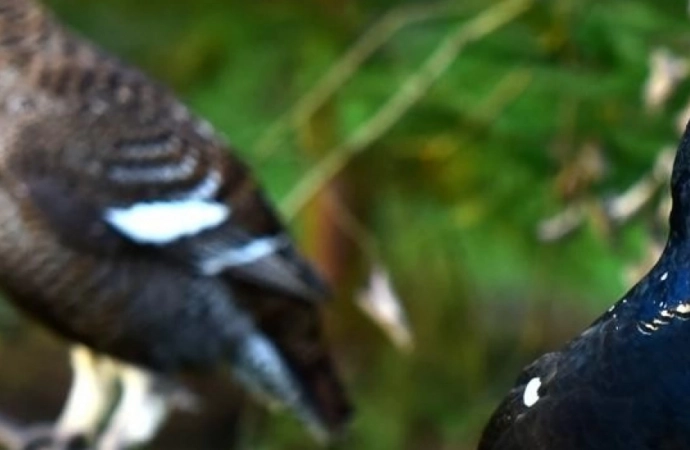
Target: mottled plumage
x=623, y=383
x=128, y=226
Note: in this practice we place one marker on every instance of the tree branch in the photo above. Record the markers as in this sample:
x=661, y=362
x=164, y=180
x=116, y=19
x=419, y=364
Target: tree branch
x=411, y=91
x=343, y=69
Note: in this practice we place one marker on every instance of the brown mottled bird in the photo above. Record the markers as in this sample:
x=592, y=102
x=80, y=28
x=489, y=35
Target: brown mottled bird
x=127, y=226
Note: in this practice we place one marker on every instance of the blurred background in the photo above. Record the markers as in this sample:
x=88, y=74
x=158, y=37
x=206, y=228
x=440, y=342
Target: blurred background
x=496, y=169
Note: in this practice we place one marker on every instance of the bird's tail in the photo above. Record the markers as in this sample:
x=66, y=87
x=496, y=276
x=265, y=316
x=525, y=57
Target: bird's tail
x=287, y=361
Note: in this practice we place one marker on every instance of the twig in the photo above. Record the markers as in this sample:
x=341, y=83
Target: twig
x=627, y=204
x=506, y=90
x=412, y=90
x=509, y=88
x=343, y=69
x=349, y=224
x=617, y=210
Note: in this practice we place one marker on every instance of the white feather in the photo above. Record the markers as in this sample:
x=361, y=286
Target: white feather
x=164, y=222
x=245, y=254
x=207, y=188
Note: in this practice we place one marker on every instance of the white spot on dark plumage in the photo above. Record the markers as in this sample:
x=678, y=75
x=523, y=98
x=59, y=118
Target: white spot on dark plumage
x=531, y=394
x=646, y=327
x=664, y=317
x=683, y=308
x=663, y=277
x=241, y=255
x=207, y=188
x=164, y=222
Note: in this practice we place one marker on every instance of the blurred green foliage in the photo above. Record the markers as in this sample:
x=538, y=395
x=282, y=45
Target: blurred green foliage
x=453, y=194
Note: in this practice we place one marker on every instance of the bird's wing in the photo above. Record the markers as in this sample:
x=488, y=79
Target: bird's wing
x=296, y=332
x=133, y=170
x=567, y=399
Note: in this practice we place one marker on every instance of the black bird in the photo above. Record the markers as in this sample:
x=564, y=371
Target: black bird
x=127, y=226
x=623, y=383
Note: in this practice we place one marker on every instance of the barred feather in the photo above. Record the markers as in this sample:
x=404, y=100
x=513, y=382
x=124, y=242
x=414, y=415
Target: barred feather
x=125, y=223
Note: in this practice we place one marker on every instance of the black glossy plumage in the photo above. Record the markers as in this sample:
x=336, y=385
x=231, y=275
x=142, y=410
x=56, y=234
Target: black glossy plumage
x=623, y=384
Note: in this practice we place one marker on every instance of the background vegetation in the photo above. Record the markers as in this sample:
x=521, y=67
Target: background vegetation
x=474, y=150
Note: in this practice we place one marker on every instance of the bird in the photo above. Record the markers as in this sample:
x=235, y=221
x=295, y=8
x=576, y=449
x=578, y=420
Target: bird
x=622, y=384
x=131, y=229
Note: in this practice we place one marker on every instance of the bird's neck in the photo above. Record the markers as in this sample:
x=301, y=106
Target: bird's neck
x=664, y=292
x=676, y=254
x=679, y=220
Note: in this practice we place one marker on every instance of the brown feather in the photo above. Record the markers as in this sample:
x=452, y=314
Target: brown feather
x=82, y=133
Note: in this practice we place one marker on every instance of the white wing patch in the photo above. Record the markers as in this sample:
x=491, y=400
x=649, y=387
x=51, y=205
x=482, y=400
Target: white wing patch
x=245, y=254
x=164, y=222
x=531, y=393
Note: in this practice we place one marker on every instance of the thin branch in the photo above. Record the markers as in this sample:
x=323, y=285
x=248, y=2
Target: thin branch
x=622, y=207
x=343, y=69
x=617, y=210
x=508, y=89
x=412, y=90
